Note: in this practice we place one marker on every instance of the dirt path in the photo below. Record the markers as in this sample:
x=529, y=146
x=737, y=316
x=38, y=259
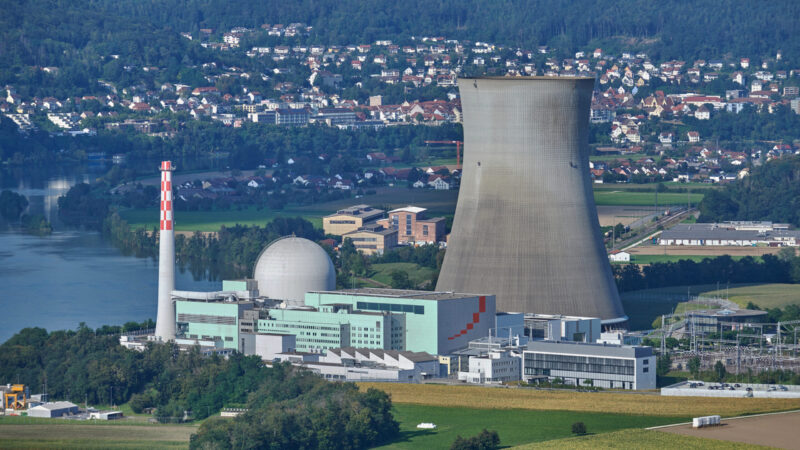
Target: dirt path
x=774, y=430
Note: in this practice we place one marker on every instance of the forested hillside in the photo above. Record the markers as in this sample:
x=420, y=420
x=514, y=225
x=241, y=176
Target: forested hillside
x=771, y=192
x=56, y=32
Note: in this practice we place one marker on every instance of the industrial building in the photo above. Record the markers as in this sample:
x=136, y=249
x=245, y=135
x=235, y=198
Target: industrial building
x=497, y=366
x=555, y=327
x=414, y=226
x=350, y=219
x=715, y=320
x=526, y=226
x=14, y=396
x=582, y=364
x=360, y=364
x=731, y=234
x=386, y=319
x=53, y=410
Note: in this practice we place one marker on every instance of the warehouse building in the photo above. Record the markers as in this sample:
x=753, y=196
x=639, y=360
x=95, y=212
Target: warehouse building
x=582, y=364
x=53, y=410
x=731, y=234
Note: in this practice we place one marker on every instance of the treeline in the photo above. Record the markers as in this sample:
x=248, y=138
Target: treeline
x=770, y=192
x=229, y=253
x=288, y=407
x=301, y=410
x=722, y=269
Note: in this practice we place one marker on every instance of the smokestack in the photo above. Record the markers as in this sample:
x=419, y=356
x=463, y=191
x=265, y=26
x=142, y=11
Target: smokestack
x=526, y=225
x=165, y=322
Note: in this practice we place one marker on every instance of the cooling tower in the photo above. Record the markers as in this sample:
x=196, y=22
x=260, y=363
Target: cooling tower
x=526, y=226
x=165, y=321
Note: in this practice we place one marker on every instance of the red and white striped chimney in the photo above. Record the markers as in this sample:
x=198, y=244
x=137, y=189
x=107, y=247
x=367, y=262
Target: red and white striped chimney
x=165, y=321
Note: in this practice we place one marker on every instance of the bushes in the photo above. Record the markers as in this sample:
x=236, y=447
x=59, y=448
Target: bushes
x=578, y=428
x=486, y=440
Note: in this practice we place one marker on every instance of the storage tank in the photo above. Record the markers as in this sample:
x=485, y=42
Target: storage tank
x=526, y=226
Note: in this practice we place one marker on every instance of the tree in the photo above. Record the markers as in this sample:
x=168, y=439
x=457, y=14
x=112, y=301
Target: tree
x=694, y=366
x=579, y=428
x=12, y=204
x=619, y=230
x=720, y=371
x=663, y=365
x=400, y=280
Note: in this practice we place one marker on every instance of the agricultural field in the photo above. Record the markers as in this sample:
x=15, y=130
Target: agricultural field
x=514, y=426
x=638, y=438
x=547, y=400
x=775, y=430
x=58, y=433
x=620, y=197
x=702, y=250
x=439, y=203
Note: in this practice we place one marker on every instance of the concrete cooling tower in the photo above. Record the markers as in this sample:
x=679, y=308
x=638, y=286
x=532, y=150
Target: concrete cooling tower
x=526, y=225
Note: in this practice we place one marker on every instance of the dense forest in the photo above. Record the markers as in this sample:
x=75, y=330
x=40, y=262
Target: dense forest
x=770, y=192
x=303, y=409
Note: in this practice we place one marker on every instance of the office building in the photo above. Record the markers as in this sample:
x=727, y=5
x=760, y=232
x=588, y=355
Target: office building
x=350, y=219
x=413, y=226
x=583, y=364
x=372, y=239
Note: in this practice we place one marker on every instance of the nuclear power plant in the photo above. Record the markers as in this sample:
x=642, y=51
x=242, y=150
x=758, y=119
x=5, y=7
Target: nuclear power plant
x=165, y=320
x=525, y=274
x=526, y=226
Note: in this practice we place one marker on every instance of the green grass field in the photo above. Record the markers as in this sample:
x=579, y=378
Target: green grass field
x=439, y=203
x=621, y=197
x=764, y=295
x=514, y=426
x=638, y=438
x=416, y=273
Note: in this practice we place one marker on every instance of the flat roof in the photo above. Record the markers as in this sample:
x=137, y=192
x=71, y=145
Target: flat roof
x=589, y=349
x=357, y=211
x=398, y=293
x=411, y=209
x=383, y=232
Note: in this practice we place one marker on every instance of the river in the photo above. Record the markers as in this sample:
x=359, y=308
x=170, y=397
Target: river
x=72, y=276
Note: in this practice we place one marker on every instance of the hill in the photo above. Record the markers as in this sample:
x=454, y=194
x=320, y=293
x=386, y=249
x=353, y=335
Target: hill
x=771, y=192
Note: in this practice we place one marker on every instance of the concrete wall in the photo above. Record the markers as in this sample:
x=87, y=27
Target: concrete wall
x=526, y=226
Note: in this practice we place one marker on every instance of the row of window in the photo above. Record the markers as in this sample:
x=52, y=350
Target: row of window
x=540, y=362
x=205, y=318
x=369, y=306
x=343, y=222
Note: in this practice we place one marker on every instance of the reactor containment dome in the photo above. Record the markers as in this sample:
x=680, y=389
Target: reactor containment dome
x=526, y=226
x=289, y=267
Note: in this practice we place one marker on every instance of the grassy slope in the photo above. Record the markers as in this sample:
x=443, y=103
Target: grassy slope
x=515, y=427
x=646, y=305
x=627, y=439
x=417, y=274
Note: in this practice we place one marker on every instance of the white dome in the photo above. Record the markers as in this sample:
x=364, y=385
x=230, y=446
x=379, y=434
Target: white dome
x=291, y=266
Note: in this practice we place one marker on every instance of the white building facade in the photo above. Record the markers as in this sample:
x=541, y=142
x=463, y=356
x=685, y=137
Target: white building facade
x=584, y=364
x=494, y=367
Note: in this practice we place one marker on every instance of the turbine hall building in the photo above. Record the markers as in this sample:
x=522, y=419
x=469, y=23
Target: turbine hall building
x=526, y=226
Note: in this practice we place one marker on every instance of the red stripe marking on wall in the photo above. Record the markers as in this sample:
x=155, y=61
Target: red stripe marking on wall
x=482, y=304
